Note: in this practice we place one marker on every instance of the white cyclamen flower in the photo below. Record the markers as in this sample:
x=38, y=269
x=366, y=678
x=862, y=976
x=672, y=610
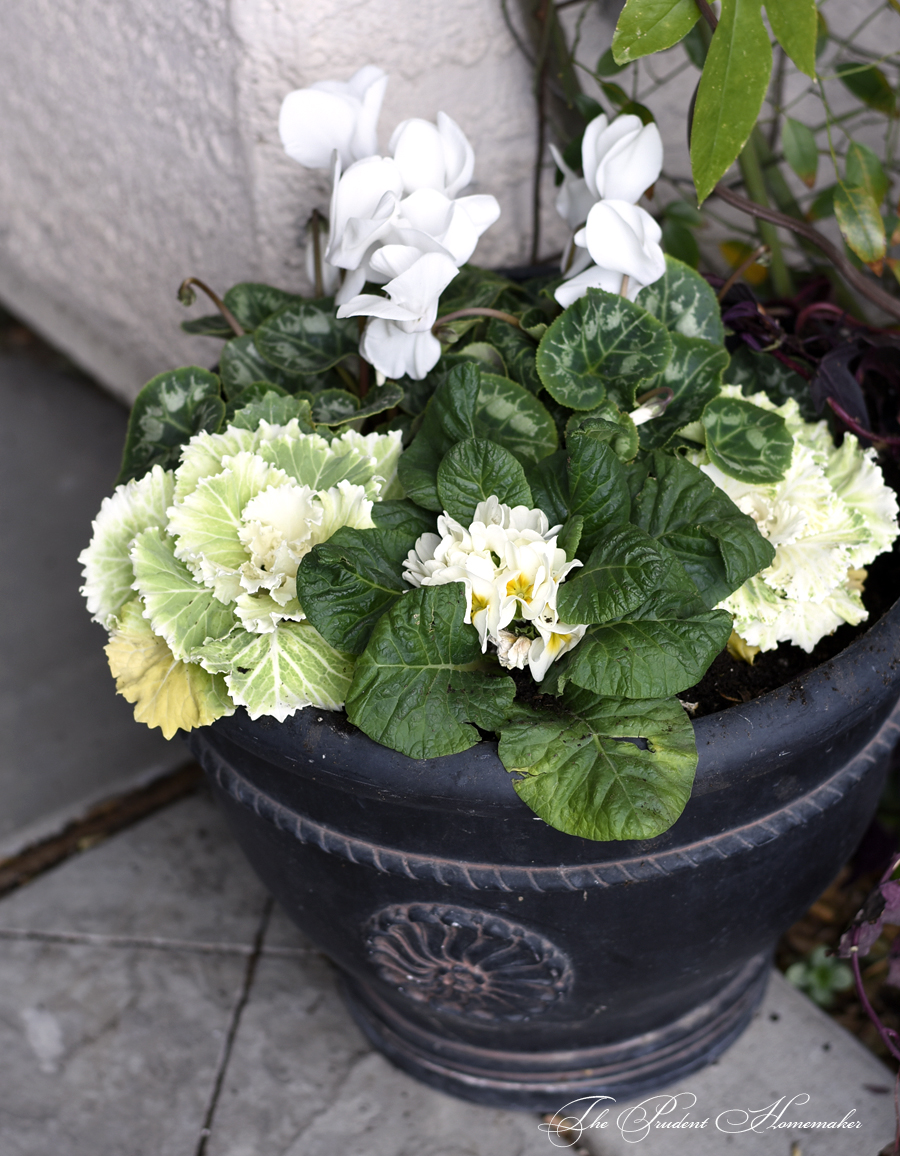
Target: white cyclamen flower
x=511, y=568
x=333, y=115
x=433, y=156
x=398, y=340
x=623, y=240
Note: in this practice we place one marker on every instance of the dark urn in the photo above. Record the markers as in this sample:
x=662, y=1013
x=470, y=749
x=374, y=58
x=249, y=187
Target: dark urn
x=505, y=962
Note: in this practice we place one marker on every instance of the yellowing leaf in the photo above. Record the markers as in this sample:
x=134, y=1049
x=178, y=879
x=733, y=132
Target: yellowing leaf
x=166, y=692
x=736, y=253
x=860, y=222
x=731, y=92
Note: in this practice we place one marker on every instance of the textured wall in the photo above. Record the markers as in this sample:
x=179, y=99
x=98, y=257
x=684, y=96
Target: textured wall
x=138, y=144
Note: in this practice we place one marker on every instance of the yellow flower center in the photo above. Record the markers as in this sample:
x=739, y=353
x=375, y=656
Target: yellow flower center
x=478, y=603
x=519, y=587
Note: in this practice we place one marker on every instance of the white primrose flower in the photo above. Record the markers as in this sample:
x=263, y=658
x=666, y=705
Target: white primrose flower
x=828, y=517
x=511, y=568
x=333, y=115
x=398, y=340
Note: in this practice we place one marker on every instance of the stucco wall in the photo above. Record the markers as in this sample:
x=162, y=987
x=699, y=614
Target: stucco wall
x=139, y=144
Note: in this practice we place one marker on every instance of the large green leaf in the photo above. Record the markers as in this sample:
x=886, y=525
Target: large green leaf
x=719, y=547
x=732, y=88
x=796, y=25
x=747, y=442
x=519, y=352
x=860, y=222
x=401, y=516
x=549, y=482
x=307, y=337
x=471, y=404
x=597, y=487
x=621, y=573
x=473, y=471
x=684, y=302
x=183, y=612
x=422, y=678
x=800, y=150
x=694, y=375
x=251, y=303
x=345, y=584
x=168, y=411
x=281, y=671
x=870, y=85
x=647, y=26
x=241, y=365
x=601, y=345
x=580, y=777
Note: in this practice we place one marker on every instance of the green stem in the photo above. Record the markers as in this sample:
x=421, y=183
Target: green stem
x=751, y=171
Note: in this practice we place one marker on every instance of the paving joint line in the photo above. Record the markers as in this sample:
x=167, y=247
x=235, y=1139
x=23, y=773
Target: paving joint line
x=155, y=942
x=231, y=1035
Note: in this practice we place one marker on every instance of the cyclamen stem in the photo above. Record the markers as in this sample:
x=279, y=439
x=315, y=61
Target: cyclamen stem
x=475, y=311
x=315, y=222
x=852, y=276
x=186, y=297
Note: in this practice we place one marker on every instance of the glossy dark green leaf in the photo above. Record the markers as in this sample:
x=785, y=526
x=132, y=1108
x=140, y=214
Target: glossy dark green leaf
x=569, y=537
x=549, y=482
x=519, y=352
x=401, y=516
x=679, y=242
x=795, y=24
x=732, y=88
x=597, y=487
x=747, y=442
x=582, y=779
x=168, y=411
x=610, y=425
x=335, y=407
x=473, y=287
x=719, y=547
x=485, y=355
x=347, y=583
x=684, y=302
x=307, y=337
x=601, y=345
x=213, y=325
x=647, y=26
x=869, y=84
x=620, y=574
x=694, y=375
x=607, y=66
x=241, y=365
x=251, y=303
x=822, y=205
x=755, y=372
x=421, y=679
x=860, y=222
x=474, y=470
x=800, y=150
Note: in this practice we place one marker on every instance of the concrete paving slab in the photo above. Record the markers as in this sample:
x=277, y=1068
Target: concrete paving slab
x=66, y=739
x=793, y=1064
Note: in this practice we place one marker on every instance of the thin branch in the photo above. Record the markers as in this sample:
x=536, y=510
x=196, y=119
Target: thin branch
x=856, y=279
x=707, y=13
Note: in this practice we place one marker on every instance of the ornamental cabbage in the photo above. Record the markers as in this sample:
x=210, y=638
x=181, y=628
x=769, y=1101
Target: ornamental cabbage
x=828, y=518
x=193, y=571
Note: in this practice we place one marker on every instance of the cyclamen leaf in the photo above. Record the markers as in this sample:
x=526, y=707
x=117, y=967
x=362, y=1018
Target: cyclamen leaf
x=329, y=410
x=489, y=358
x=647, y=26
x=241, y=365
x=602, y=344
x=166, y=692
x=754, y=371
x=582, y=779
x=695, y=377
x=347, y=583
x=212, y=325
x=251, y=302
x=474, y=470
x=519, y=352
x=280, y=672
x=620, y=574
x=746, y=442
x=860, y=222
x=608, y=424
x=684, y=302
x=796, y=26
x=800, y=150
x=168, y=411
x=180, y=610
x=732, y=88
x=307, y=337
x=719, y=547
x=420, y=678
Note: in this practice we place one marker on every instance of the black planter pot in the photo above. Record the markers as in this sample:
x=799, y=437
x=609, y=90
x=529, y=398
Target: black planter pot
x=502, y=961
